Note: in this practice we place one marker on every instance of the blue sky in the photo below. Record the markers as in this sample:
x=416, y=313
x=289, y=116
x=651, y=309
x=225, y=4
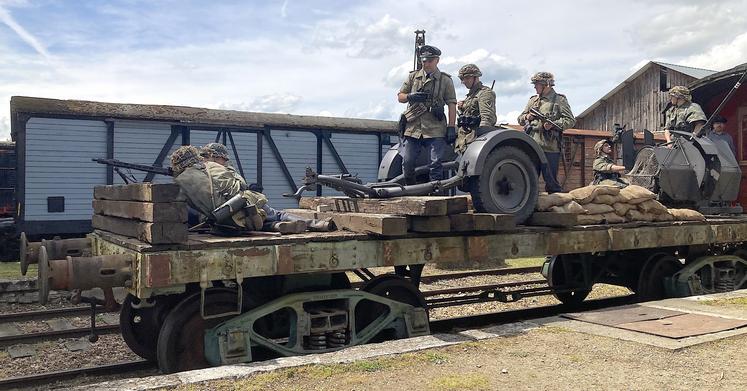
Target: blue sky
x=344, y=58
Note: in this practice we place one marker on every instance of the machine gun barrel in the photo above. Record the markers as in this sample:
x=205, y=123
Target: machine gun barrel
x=134, y=166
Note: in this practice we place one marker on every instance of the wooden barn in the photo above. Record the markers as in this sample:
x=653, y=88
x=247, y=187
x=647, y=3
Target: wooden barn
x=638, y=101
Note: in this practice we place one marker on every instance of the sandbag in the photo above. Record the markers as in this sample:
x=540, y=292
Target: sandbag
x=635, y=194
x=614, y=218
x=686, y=215
x=635, y=215
x=571, y=207
x=663, y=217
x=622, y=208
x=586, y=194
x=652, y=206
x=590, y=219
x=547, y=201
x=594, y=209
x=606, y=199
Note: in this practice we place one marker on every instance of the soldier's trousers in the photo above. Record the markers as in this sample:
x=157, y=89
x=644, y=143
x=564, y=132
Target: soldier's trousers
x=274, y=215
x=410, y=149
x=550, y=172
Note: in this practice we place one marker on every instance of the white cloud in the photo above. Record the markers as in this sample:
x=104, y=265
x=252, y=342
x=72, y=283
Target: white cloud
x=721, y=57
x=284, y=9
x=275, y=103
x=362, y=38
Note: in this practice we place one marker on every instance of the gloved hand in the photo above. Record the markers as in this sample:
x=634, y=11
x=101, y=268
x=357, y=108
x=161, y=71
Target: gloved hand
x=451, y=134
x=417, y=97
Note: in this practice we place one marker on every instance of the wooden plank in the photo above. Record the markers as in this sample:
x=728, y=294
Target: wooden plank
x=149, y=192
x=411, y=206
x=154, y=233
x=155, y=212
x=379, y=224
x=503, y=221
x=553, y=219
x=430, y=223
x=462, y=222
x=457, y=204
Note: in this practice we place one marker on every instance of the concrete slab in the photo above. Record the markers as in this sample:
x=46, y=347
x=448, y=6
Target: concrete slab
x=19, y=351
x=60, y=324
x=77, y=345
x=8, y=329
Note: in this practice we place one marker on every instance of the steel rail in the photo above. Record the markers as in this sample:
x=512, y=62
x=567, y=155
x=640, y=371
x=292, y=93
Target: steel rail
x=55, y=334
x=49, y=377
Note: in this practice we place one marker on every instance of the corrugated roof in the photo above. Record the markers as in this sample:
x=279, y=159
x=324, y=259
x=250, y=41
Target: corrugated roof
x=697, y=73
x=690, y=71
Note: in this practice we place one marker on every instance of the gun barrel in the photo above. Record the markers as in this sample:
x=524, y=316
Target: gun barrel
x=133, y=166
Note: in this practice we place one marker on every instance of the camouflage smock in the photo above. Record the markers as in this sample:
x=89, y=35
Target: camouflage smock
x=555, y=106
x=441, y=89
x=683, y=117
x=603, y=174
x=208, y=185
x=480, y=102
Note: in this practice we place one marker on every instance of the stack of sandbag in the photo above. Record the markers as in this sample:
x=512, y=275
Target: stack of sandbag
x=598, y=204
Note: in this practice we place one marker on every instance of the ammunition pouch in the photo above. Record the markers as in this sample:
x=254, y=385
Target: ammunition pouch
x=602, y=176
x=468, y=121
x=414, y=112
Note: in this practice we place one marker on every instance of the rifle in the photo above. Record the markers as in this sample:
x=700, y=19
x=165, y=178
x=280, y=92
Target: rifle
x=544, y=118
x=117, y=164
x=419, y=42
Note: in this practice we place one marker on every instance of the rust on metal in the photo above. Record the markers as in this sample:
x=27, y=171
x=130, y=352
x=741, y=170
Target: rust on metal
x=284, y=259
x=685, y=325
x=620, y=315
x=477, y=248
x=159, y=271
x=389, y=253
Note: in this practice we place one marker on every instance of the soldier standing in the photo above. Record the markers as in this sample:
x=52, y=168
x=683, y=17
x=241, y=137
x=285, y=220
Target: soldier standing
x=555, y=107
x=683, y=114
x=606, y=172
x=477, y=110
x=427, y=91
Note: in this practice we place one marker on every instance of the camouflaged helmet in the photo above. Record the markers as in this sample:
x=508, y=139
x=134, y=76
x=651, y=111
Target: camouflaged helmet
x=214, y=150
x=546, y=78
x=469, y=70
x=681, y=92
x=184, y=157
x=599, y=145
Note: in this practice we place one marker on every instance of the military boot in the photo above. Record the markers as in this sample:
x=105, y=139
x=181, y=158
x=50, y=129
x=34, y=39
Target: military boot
x=322, y=225
x=288, y=227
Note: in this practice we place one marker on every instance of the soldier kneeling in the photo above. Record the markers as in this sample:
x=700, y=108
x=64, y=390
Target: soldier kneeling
x=606, y=172
x=223, y=198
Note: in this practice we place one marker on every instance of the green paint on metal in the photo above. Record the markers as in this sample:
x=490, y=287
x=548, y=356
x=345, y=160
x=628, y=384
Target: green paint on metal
x=709, y=274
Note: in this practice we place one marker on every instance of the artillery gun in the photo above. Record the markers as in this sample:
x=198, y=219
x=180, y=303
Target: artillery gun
x=690, y=172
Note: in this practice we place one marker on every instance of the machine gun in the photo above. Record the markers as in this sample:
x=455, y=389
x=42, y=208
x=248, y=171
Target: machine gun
x=128, y=177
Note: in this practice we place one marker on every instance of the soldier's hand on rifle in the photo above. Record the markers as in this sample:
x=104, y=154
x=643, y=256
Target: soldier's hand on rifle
x=460, y=104
x=451, y=134
x=529, y=117
x=547, y=126
x=417, y=97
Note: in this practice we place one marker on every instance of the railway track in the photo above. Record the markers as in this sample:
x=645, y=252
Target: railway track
x=437, y=326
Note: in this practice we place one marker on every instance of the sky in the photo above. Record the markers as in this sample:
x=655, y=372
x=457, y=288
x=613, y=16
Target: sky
x=345, y=58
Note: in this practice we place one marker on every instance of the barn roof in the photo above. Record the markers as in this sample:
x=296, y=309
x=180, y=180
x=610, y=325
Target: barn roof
x=690, y=71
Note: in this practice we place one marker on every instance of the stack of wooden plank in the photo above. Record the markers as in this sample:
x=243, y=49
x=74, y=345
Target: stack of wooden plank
x=153, y=213
x=397, y=216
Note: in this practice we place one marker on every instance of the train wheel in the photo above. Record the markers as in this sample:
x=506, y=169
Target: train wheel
x=563, y=275
x=181, y=345
x=507, y=184
x=140, y=326
x=392, y=287
x=651, y=280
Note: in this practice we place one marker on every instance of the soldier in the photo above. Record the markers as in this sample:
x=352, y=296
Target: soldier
x=606, y=172
x=555, y=108
x=683, y=114
x=426, y=91
x=718, y=133
x=477, y=110
x=221, y=195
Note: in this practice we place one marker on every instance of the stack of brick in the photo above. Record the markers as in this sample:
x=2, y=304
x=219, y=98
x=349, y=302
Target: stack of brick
x=152, y=213
x=597, y=204
x=397, y=216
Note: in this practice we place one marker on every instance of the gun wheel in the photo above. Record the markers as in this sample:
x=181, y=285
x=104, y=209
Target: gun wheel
x=507, y=184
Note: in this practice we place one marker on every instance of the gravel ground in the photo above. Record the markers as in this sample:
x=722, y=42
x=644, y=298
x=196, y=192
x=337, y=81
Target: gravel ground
x=112, y=349
x=549, y=358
